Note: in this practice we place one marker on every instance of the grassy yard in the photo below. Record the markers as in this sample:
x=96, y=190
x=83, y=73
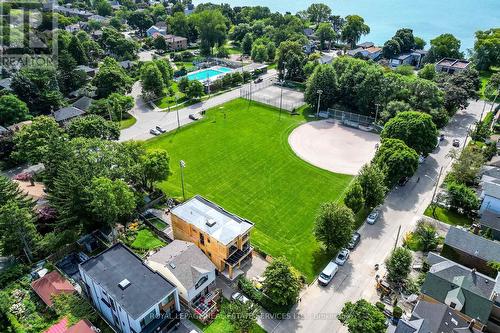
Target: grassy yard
x=167, y=101
x=126, y=123
x=239, y=157
x=147, y=240
x=485, y=77
x=448, y=217
x=187, y=64
x=222, y=324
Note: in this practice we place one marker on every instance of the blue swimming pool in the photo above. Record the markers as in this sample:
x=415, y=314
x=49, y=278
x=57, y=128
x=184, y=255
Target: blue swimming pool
x=208, y=73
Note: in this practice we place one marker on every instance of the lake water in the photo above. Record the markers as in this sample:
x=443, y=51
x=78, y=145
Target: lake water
x=427, y=18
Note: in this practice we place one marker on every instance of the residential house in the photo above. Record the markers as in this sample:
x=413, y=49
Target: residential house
x=189, y=9
x=471, y=250
x=189, y=269
x=433, y=317
x=369, y=52
x=365, y=45
x=309, y=32
x=98, y=18
x=176, y=43
x=224, y=237
x=127, y=64
x=83, y=326
x=490, y=196
x=51, y=284
x=474, y=295
x=129, y=294
x=490, y=220
x=66, y=114
x=68, y=11
x=154, y=31
x=73, y=27
x=412, y=58
x=90, y=71
x=450, y=65
x=83, y=103
x=115, y=4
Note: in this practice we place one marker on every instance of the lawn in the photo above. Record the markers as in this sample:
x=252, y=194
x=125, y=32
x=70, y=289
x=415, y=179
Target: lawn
x=448, y=217
x=126, y=123
x=146, y=240
x=222, y=324
x=485, y=77
x=171, y=101
x=239, y=157
x=158, y=223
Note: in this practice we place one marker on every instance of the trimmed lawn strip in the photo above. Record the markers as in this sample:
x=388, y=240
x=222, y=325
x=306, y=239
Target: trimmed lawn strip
x=239, y=157
x=126, y=123
x=448, y=217
x=146, y=240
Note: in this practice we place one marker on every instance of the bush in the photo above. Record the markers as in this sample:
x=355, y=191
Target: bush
x=397, y=312
x=12, y=274
x=380, y=306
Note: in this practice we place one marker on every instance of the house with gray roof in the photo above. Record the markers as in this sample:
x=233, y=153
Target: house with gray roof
x=490, y=220
x=490, y=196
x=471, y=250
x=83, y=103
x=430, y=317
x=64, y=115
x=190, y=270
x=464, y=290
x=129, y=294
x=5, y=84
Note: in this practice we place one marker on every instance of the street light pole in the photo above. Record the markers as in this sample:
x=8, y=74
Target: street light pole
x=434, y=193
x=281, y=97
x=182, y=164
x=319, y=102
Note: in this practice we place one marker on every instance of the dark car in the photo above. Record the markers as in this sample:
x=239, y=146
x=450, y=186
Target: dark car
x=403, y=181
x=194, y=116
x=456, y=143
x=258, y=80
x=356, y=238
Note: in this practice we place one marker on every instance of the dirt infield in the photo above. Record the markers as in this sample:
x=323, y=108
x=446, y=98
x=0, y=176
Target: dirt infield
x=333, y=147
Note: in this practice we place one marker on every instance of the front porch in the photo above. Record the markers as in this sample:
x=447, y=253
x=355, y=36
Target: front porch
x=206, y=307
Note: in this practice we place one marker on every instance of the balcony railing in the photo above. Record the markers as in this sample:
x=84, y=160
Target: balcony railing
x=207, y=306
x=237, y=256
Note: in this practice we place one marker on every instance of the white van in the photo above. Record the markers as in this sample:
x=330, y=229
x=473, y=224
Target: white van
x=328, y=273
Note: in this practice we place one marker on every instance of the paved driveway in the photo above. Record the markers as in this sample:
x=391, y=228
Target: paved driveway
x=319, y=306
x=148, y=117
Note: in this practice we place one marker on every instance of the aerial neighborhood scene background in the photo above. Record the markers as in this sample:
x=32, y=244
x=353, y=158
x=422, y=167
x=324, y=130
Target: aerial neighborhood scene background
x=249, y=166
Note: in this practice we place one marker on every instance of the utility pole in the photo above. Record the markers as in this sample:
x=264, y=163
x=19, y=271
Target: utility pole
x=319, y=102
x=397, y=237
x=182, y=164
x=466, y=137
x=281, y=97
x=434, y=193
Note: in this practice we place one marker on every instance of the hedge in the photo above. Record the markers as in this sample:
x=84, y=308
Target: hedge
x=260, y=298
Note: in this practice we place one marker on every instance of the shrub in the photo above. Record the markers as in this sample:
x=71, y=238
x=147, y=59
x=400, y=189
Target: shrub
x=380, y=306
x=260, y=298
x=12, y=273
x=397, y=312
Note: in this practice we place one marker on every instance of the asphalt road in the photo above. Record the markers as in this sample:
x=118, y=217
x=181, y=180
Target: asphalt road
x=317, y=311
x=148, y=118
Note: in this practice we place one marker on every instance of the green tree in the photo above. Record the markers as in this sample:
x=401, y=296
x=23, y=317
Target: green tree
x=444, y=46
x=243, y=316
x=18, y=235
x=466, y=166
x=282, y=284
x=398, y=265
x=428, y=72
x=159, y=43
x=427, y=235
x=271, y=51
x=114, y=107
x=12, y=110
x=416, y=129
x=75, y=48
x=93, y=126
x=32, y=141
x=196, y=89
x=393, y=108
x=166, y=70
x=362, y=317
x=152, y=81
x=487, y=48
x=111, y=78
x=405, y=36
x=259, y=53
x=326, y=34
x=291, y=57
x=334, y=225
x=354, y=197
x=396, y=159
x=154, y=167
x=103, y=8
x=111, y=201
x=462, y=198
x=324, y=78
x=140, y=20
x=318, y=12
x=10, y=191
x=419, y=43
x=212, y=28
x=246, y=44
x=391, y=48
x=353, y=29
x=372, y=181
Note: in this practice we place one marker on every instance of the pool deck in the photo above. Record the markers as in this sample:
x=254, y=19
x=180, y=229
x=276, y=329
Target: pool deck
x=213, y=77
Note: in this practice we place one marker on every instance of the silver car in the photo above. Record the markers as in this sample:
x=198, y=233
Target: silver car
x=154, y=131
x=239, y=297
x=342, y=257
x=373, y=217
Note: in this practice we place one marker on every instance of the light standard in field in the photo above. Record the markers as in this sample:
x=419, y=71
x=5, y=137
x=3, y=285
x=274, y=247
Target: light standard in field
x=182, y=164
x=319, y=102
x=282, y=81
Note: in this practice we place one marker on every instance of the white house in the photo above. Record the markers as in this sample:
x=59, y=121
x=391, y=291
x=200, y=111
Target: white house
x=490, y=197
x=131, y=296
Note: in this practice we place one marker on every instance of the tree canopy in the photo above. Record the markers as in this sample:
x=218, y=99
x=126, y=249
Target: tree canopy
x=398, y=265
x=93, y=126
x=282, y=284
x=353, y=29
x=372, y=181
x=396, y=159
x=12, y=110
x=362, y=317
x=487, y=48
x=444, y=46
x=334, y=225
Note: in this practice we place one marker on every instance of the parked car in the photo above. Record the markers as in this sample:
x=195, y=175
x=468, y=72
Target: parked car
x=342, y=257
x=154, y=131
x=456, y=143
x=328, y=273
x=258, y=80
x=160, y=129
x=239, y=297
x=355, y=239
x=441, y=137
x=194, y=116
x=373, y=217
x=403, y=181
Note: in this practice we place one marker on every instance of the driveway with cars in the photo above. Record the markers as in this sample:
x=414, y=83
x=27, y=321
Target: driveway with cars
x=149, y=117
x=319, y=306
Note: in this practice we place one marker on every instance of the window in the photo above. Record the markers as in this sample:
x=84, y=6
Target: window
x=202, y=239
x=148, y=318
x=105, y=301
x=112, y=303
x=167, y=299
x=453, y=305
x=201, y=282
